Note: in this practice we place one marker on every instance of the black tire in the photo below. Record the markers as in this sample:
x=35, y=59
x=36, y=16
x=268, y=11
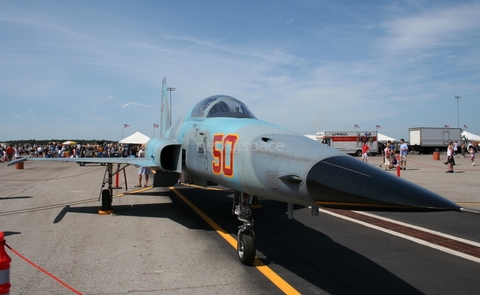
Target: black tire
x=103, y=164
x=358, y=153
x=106, y=200
x=81, y=163
x=246, y=249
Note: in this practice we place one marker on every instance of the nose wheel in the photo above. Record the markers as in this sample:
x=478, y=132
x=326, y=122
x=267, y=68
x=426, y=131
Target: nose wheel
x=246, y=248
x=246, y=236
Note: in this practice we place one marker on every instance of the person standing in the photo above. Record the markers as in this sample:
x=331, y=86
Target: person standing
x=403, y=154
x=78, y=147
x=387, y=153
x=450, y=154
x=9, y=151
x=455, y=148
x=365, y=149
x=16, y=152
x=143, y=170
x=40, y=151
x=381, y=150
x=472, y=155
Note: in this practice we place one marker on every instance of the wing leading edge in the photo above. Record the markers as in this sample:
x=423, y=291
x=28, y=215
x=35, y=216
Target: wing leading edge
x=132, y=161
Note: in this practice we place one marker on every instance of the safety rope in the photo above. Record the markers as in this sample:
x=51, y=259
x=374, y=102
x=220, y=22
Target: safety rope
x=44, y=271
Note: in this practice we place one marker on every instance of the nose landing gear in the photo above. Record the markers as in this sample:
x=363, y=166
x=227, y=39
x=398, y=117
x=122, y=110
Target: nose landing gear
x=246, y=236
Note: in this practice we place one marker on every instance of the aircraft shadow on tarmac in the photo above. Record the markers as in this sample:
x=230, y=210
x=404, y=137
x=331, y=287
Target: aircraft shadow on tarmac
x=11, y=233
x=152, y=210
x=331, y=266
x=16, y=197
x=305, y=252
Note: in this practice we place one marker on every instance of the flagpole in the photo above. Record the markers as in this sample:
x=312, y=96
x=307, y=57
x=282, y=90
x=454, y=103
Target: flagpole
x=124, y=126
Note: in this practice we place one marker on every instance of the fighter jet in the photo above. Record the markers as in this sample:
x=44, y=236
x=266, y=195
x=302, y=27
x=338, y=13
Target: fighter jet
x=220, y=141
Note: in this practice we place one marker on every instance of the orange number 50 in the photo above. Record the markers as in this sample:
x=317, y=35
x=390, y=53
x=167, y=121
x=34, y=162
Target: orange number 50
x=223, y=153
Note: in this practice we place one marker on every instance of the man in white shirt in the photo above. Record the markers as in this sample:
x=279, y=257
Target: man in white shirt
x=449, y=158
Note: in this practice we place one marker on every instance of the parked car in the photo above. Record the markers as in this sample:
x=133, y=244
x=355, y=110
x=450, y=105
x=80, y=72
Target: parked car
x=83, y=163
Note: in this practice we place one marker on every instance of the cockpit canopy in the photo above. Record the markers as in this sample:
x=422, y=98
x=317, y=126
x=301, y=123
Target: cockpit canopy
x=221, y=106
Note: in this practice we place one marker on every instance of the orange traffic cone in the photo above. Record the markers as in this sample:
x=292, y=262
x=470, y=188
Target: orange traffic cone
x=4, y=267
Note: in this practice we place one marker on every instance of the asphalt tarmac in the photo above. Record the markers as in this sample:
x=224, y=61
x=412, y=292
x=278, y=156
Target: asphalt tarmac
x=156, y=243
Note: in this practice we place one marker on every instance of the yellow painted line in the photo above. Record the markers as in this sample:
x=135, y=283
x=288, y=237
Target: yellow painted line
x=134, y=191
x=207, y=188
x=265, y=270
x=274, y=278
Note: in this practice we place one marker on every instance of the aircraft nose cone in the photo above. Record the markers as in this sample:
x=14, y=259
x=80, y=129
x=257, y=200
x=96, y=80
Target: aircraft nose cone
x=345, y=182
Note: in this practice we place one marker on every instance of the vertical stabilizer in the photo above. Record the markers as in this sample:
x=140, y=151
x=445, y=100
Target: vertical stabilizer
x=165, y=112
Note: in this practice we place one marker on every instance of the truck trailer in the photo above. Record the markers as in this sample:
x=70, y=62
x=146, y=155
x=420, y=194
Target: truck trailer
x=426, y=140
x=349, y=142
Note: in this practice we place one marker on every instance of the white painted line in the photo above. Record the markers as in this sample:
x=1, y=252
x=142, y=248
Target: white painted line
x=422, y=229
x=418, y=241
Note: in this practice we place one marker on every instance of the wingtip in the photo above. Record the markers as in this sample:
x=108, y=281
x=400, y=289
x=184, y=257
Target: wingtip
x=13, y=162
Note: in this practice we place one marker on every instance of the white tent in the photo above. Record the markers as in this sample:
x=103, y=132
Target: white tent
x=470, y=136
x=136, y=138
x=383, y=137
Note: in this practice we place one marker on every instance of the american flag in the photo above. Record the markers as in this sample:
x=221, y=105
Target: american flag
x=156, y=125
x=126, y=125
x=378, y=126
x=447, y=126
x=356, y=126
x=465, y=126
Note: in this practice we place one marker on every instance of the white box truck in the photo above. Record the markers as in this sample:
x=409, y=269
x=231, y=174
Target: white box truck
x=349, y=142
x=426, y=140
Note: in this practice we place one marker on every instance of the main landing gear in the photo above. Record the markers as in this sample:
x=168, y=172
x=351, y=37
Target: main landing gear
x=107, y=194
x=242, y=203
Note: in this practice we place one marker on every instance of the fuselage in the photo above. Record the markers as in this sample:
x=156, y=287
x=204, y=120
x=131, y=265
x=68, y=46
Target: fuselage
x=250, y=155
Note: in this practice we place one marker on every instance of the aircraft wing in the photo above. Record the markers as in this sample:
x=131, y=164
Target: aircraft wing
x=133, y=161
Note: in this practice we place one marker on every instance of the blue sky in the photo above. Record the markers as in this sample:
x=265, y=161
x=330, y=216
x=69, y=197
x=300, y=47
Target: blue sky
x=69, y=67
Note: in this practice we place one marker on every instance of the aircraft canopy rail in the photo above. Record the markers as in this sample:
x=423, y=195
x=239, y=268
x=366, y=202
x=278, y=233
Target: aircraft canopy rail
x=221, y=106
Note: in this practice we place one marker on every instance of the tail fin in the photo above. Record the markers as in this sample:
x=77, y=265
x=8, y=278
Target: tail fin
x=165, y=118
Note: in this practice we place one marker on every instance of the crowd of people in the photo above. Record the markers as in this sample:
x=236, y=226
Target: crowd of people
x=392, y=159
x=58, y=150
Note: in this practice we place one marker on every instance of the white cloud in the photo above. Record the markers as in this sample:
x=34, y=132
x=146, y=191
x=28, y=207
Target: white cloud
x=433, y=28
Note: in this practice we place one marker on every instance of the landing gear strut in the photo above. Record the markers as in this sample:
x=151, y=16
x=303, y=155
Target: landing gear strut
x=246, y=236
x=107, y=194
